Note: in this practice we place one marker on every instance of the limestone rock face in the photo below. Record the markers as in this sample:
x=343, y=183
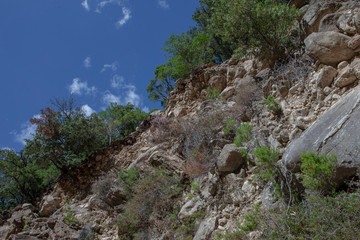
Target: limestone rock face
x=49, y=205
x=336, y=132
x=230, y=159
x=190, y=208
x=206, y=228
x=329, y=47
x=316, y=11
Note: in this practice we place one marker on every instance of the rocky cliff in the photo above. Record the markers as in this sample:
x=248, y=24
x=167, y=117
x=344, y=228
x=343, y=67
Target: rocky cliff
x=191, y=181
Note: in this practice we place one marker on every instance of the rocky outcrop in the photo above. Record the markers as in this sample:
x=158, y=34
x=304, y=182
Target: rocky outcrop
x=230, y=159
x=329, y=47
x=336, y=132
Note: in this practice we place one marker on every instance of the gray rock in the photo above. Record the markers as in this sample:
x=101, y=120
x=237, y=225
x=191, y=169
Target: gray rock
x=229, y=159
x=316, y=10
x=355, y=65
x=354, y=42
x=49, y=205
x=326, y=76
x=336, y=132
x=190, y=208
x=206, y=228
x=345, y=77
x=217, y=82
x=329, y=48
x=328, y=23
x=345, y=22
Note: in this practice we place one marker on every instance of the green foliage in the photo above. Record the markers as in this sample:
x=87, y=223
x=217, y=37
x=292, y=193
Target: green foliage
x=318, y=217
x=151, y=197
x=120, y=121
x=318, y=171
x=259, y=27
x=129, y=177
x=185, y=52
x=22, y=179
x=272, y=105
x=213, y=94
x=251, y=219
x=195, y=187
x=70, y=218
x=243, y=134
x=230, y=125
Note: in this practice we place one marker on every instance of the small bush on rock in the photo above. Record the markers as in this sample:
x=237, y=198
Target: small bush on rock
x=272, y=105
x=318, y=171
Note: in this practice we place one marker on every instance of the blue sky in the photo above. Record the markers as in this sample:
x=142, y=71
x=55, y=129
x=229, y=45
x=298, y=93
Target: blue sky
x=98, y=50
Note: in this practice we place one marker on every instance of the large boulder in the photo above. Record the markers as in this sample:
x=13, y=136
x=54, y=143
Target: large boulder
x=230, y=159
x=336, y=132
x=329, y=48
x=49, y=205
x=316, y=10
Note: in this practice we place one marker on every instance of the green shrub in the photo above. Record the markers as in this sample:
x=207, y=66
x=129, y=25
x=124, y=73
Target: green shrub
x=213, y=94
x=272, y=105
x=262, y=28
x=243, y=134
x=318, y=217
x=129, y=177
x=230, y=125
x=70, y=218
x=318, y=171
x=152, y=196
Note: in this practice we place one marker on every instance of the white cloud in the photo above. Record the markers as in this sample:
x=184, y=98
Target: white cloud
x=117, y=81
x=87, y=110
x=145, y=109
x=87, y=62
x=7, y=148
x=163, y=4
x=125, y=18
x=85, y=4
x=113, y=67
x=79, y=87
x=27, y=131
x=131, y=96
x=104, y=3
x=110, y=98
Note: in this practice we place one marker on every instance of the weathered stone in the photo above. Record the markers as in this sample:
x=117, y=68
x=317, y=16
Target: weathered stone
x=345, y=77
x=116, y=194
x=342, y=65
x=206, y=228
x=240, y=72
x=335, y=132
x=355, y=65
x=354, y=42
x=249, y=66
x=328, y=23
x=230, y=159
x=325, y=76
x=24, y=237
x=345, y=22
x=217, y=82
x=315, y=12
x=49, y=205
x=328, y=47
x=227, y=93
x=180, y=111
x=190, y=208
